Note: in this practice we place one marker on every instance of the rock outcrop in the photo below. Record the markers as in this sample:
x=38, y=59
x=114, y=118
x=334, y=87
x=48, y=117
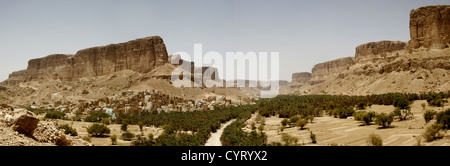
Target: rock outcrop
x=15, y=78
x=430, y=27
x=375, y=51
x=322, y=70
x=141, y=55
x=25, y=123
x=21, y=128
x=421, y=65
x=300, y=79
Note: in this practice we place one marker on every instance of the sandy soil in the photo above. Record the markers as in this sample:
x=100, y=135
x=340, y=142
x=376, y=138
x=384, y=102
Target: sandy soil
x=349, y=132
x=214, y=140
x=115, y=130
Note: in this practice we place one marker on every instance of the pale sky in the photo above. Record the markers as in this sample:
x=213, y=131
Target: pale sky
x=303, y=32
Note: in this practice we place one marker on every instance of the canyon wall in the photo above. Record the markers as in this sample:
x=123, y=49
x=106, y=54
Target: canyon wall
x=374, y=51
x=331, y=67
x=301, y=78
x=429, y=27
x=141, y=55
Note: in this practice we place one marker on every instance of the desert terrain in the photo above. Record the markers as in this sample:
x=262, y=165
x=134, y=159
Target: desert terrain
x=349, y=132
x=131, y=81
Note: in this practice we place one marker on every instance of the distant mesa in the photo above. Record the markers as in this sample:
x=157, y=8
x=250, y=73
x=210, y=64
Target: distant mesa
x=141, y=55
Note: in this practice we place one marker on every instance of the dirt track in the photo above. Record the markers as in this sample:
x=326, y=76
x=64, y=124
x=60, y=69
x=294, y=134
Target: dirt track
x=214, y=140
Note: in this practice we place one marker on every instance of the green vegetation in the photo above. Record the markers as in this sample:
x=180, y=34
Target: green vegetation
x=233, y=135
x=98, y=130
x=69, y=130
x=302, y=123
x=361, y=106
x=289, y=140
x=141, y=125
x=437, y=99
x=342, y=112
x=375, y=140
x=96, y=116
x=127, y=136
x=286, y=106
x=55, y=115
x=124, y=126
x=402, y=114
x=365, y=117
x=313, y=137
x=442, y=124
x=384, y=120
x=401, y=102
x=429, y=115
x=114, y=140
x=199, y=123
x=38, y=111
x=142, y=141
x=432, y=133
x=443, y=119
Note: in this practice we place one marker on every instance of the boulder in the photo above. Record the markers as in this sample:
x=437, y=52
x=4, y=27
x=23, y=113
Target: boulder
x=25, y=122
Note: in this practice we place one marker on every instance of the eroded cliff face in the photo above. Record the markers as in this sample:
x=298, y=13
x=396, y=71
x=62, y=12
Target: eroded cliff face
x=322, y=70
x=382, y=50
x=430, y=27
x=301, y=78
x=141, y=55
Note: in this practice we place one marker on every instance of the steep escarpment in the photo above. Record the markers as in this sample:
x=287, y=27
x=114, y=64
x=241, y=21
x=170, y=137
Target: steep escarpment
x=422, y=65
x=141, y=55
x=430, y=27
x=321, y=71
x=382, y=50
x=300, y=79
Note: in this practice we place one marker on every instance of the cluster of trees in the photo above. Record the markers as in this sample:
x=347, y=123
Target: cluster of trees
x=340, y=106
x=97, y=116
x=437, y=99
x=233, y=135
x=98, y=130
x=177, y=124
x=69, y=130
x=442, y=124
x=296, y=121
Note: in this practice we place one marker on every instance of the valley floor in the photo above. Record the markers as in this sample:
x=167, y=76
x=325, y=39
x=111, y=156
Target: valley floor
x=350, y=132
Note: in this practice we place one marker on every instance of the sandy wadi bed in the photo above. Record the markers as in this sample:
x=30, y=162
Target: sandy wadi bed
x=329, y=130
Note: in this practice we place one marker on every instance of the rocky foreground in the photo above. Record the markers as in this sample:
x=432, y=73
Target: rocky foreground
x=21, y=128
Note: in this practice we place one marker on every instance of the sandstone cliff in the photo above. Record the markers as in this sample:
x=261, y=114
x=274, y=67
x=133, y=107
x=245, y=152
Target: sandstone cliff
x=430, y=27
x=300, y=79
x=382, y=50
x=321, y=71
x=141, y=55
x=393, y=66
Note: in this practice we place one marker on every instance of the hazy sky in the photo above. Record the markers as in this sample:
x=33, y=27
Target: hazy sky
x=304, y=32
